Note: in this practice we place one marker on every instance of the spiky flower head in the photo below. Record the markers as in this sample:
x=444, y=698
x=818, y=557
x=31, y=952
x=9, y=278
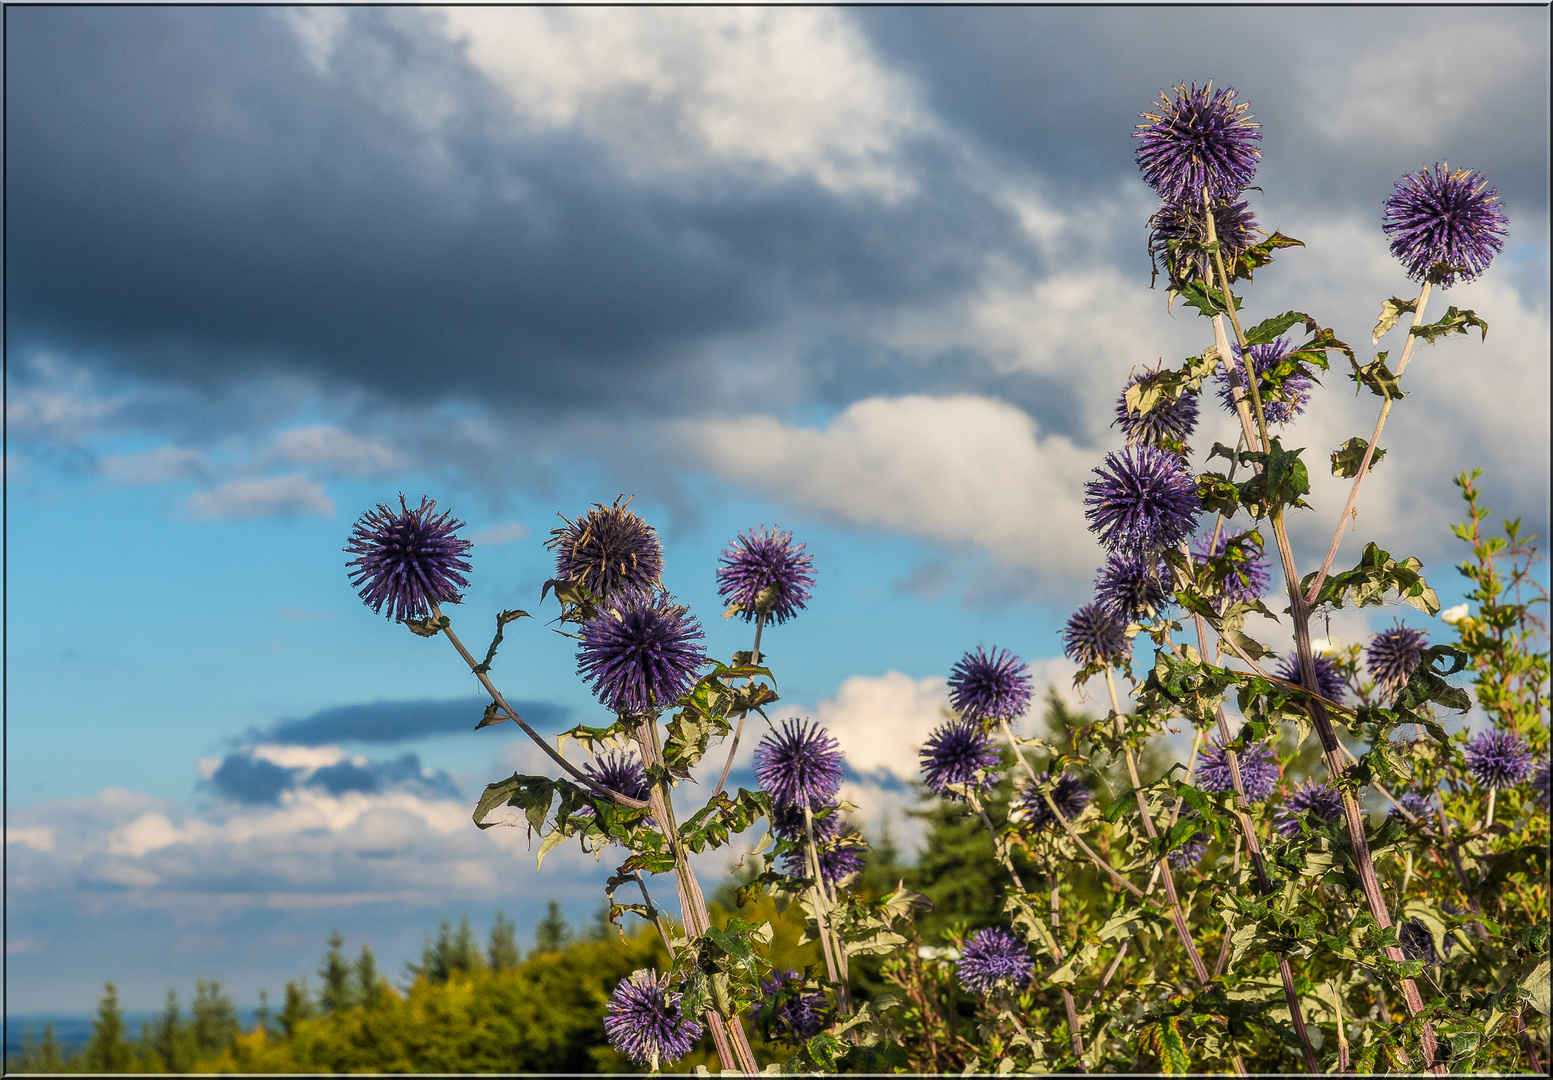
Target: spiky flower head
x=619, y=771
x=797, y=1013
x=1190, y=853
x=1444, y=223
x=1330, y=683
x=1198, y=138
x=799, y=763
x=1144, y=500
x=953, y=754
x=764, y=572
x=1307, y=802
x=1498, y=759
x=788, y=824
x=1392, y=656
x=408, y=560
x=1258, y=770
x=1070, y=795
x=987, y=686
x=1094, y=636
x=1280, y=403
x=643, y=1020
x=641, y=651
x=1249, y=578
x=1417, y=805
x=839, y=858
x=1539, y=784
x=608, y=550
x=992, y=960
x=1175, y=420
x=1130, y=586
x=1185, y=226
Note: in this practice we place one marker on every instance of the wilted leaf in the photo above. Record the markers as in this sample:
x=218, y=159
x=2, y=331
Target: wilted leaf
x=1390, y=312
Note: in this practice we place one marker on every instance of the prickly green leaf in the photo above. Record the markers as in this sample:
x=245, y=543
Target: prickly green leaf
x=1390, y=312
x=1378, y=377
x=1206, y=301
x=1347, y=459
x=1453, y=321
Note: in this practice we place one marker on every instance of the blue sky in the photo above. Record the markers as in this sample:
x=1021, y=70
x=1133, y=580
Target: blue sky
x=873, y=275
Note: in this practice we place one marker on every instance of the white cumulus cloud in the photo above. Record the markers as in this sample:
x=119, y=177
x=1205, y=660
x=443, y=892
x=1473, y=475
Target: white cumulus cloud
x=295, y=493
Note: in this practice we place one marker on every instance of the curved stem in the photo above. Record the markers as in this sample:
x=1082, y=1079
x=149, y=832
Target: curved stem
x=1369, y=452
x=490, y=688
x=760, y=623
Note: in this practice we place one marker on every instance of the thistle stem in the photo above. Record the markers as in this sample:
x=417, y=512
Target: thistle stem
x=1369, y=452
x=760, y=624
x=835, y=963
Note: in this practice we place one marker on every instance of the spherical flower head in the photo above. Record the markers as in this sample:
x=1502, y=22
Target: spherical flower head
x=993, y=959
x=1130, y=586
x=408, y=560
x=1175, y=420
x=954, y=754
x=1144, y=500
x=1392, y=656
x=1198, y=138
x=987, y=686
x=1539, y=784
x=608, y=550
x=799, y=763
x=620, y=772
x=1247, y=581
x=1295, y=394
x=839, y=859
x=1094, y=636
x=1186, y=226
x=1070, y=795
x=764, y=572
x=1306, y=802
x=799, y=1014
x=1417, y=805
x=643, y=1021
x=788, y=824
x=1190, y=853
x=641, y=651
x=1445, y=223
x=1498, y=759
x=1330, y=683
x=1258, y=771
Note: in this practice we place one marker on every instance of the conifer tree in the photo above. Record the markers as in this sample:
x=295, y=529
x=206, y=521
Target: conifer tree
x=336, y=995
x=171, y=1038
x=552, y=932
x=108, y=1051
x=503, y=953
x=369, y=984
x=213, y=1018
x=299, y=1007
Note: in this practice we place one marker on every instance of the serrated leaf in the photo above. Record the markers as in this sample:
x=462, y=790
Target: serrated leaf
x=1378, y=377
x=1390, y=312
x=1347, y=459
x=1208, y=302
x=1269, y=329
x=1453, y=321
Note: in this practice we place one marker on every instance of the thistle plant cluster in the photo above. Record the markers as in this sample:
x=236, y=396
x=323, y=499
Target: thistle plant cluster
x=1334, y=869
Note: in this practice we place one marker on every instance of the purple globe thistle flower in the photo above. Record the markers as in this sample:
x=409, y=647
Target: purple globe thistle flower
x=799, y=1014
x=1307, y=800
x=1093, y=636
x=1417, y=805
x=1539, y=784
x=799, y=764
x=1392, y=656
x=993, y=959
x=1295, y=394
x=1190, y=853
x=608, y=550
x=1330, y=683
x=409, y=560
x=1070, y=795
x=620, y=772
x=1258, y=771
x=986, y=686
x=787, y=822
x=1498, y=759
x=954, y=754
x=1128, y=587
x=1145, y=500
x=641, y=651
x=1248, y=580
x=643, y=1021
x=1417, y=943
x=1445, y=223
x=839, y=859
x=764, y=572
x=1185, y=225
x=1175, y=421
x=1200, y=138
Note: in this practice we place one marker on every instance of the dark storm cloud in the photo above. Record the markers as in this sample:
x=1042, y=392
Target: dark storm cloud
x=189, y=198
x=1057, y=90
x=246, y=779
x=254, y=781
x=400, y=721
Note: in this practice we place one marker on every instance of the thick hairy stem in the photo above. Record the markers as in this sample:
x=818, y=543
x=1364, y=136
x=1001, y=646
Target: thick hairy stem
x=1177, y=916
x=830, y=943
x=1369, y=452
x=501, y=703
x=760, y=623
